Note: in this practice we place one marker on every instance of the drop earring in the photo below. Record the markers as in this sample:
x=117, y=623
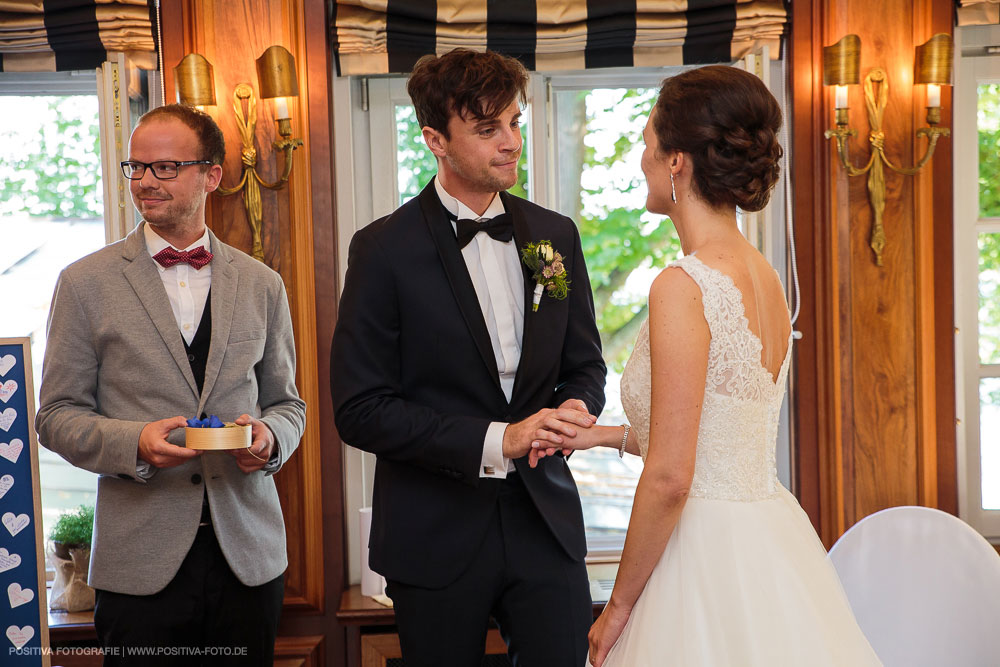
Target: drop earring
x=673, y=190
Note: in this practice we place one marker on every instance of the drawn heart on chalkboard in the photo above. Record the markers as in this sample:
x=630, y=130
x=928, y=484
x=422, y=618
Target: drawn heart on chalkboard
x=12, y=450
x=15, y=524
x=18, y=595
x=20, y=636
x=8, y=561
x=7, y=418
x=7, y=390
x=5, y=483
x=7, y=362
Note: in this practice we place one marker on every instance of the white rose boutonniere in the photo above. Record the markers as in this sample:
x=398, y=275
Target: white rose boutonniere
x=548, y=271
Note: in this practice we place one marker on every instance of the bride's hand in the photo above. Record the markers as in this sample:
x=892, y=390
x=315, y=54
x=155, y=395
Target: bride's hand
x=606, y=631
x=585, y=438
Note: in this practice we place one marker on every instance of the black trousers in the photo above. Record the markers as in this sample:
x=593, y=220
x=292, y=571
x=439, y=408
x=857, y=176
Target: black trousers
x=522, y=577
x=204, y=616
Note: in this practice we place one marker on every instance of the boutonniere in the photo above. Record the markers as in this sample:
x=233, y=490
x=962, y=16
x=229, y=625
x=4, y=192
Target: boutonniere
x=548, y=271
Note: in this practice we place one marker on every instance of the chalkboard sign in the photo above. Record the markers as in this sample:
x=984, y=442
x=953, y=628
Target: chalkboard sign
x=22, y=556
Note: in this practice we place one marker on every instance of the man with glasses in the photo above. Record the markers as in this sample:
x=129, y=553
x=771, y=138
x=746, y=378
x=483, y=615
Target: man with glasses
x=168, y=324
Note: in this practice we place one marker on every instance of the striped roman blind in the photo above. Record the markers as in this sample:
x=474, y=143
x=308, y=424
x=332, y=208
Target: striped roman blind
x=388, y=36
x=62, y=35
x=978, y=12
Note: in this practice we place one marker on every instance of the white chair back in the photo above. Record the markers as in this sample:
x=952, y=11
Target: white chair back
x=924, y=586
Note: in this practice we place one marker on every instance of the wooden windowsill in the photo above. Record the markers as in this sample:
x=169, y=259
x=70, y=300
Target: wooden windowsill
x=358, y=610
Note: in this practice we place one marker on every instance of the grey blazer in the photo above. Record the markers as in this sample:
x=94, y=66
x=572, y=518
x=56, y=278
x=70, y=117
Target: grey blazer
x=115, y=360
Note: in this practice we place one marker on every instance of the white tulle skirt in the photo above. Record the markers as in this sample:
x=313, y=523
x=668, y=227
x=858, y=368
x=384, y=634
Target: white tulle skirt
x=743, y=584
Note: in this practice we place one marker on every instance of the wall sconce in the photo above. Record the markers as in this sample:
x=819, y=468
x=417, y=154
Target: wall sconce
x=277, y=80
x=931, y=66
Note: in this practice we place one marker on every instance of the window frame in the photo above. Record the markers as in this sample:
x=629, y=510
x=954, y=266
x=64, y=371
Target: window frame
x=973, y=67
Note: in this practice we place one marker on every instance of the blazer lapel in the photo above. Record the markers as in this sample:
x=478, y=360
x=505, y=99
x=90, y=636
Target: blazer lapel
x=144, y=278
x=522, y=235
x=225, y=279
x=458, y=276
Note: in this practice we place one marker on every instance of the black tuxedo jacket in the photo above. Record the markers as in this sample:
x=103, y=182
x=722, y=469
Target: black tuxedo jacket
x=415, y=382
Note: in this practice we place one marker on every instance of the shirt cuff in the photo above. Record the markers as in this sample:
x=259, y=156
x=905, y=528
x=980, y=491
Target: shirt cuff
x=273, y=463
x=494, y=464
x=143, y=470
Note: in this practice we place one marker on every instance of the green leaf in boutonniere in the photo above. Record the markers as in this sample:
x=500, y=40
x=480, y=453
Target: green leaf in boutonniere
x=547, y=269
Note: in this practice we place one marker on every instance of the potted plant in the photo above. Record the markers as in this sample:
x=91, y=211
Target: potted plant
x=70, y=558
x=73, y=529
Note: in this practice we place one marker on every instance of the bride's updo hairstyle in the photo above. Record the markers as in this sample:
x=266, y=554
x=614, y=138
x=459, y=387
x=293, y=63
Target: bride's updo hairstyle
x=727, y=120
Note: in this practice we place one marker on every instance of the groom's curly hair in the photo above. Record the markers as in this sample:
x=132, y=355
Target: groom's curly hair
x=466, y=83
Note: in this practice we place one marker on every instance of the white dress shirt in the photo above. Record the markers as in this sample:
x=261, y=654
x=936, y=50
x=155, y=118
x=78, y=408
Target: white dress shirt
x=495, y=269
x=186, y=287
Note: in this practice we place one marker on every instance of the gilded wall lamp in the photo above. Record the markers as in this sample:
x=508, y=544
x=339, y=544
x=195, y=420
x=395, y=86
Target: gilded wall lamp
x=931, y=66
x=276, y=79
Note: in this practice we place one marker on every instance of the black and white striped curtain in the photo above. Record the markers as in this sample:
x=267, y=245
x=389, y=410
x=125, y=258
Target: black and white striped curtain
x=64, y=35
x=978, y=12
x=388, y=36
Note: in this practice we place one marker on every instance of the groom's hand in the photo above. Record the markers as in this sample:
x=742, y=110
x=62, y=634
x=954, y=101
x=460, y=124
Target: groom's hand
x=539, y=450
x=546, y=424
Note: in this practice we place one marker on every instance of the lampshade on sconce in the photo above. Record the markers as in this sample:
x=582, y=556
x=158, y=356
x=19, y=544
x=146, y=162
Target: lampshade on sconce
x=276, y=78
x=841, y=62
x=932, y=66
x=195, y=81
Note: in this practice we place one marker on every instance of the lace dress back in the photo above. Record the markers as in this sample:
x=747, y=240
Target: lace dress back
x=735, y=459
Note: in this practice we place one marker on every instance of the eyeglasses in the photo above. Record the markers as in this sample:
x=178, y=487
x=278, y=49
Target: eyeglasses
x=163, y=169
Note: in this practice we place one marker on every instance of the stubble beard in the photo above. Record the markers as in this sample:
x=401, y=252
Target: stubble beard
x=483, y=179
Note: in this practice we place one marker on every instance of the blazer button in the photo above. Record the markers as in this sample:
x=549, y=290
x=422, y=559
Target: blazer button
x=190, y=357
x=196, y=478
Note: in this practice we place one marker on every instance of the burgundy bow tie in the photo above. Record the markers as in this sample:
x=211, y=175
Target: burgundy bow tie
x=197, y=258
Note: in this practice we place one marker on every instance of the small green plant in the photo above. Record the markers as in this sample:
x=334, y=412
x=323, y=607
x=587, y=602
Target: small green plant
x=74, y=527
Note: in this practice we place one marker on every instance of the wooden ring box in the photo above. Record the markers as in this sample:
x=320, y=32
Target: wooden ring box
x=231, y=436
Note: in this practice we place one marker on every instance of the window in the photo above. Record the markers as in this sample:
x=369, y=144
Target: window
x=583, y=144
x=60, y=200
x=51, y=214
x=977, y=277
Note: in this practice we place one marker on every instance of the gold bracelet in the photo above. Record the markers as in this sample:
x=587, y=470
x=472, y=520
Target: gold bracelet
x=621, y=450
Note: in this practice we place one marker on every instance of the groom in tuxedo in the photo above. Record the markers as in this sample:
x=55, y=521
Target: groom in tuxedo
x=442, y=369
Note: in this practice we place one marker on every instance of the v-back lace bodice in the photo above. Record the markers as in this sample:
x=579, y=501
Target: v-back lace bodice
x=735, y=458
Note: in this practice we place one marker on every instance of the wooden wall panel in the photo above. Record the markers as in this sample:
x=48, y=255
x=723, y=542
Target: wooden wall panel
x=298, y=242
x=872, y=428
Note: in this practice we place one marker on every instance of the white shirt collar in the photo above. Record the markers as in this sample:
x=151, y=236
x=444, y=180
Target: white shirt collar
x=461, y=211
x=155, y=243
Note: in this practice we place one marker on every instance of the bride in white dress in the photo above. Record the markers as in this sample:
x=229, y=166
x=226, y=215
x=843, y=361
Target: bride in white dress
x=721, y=567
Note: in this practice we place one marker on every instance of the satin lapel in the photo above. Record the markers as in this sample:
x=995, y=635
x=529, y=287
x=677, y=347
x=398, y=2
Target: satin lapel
x=225, y=279
x=522, y=235
x=458, y=276
x=143, y=276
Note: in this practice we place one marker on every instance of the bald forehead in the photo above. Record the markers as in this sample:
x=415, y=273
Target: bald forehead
x=164, y=139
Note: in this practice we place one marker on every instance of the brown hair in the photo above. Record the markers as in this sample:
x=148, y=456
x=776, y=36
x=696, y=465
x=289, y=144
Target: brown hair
x=467, y=83
x=727, y=120
x=209, y=135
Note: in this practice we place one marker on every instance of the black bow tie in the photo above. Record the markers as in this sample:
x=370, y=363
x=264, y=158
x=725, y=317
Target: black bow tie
x=500, y=228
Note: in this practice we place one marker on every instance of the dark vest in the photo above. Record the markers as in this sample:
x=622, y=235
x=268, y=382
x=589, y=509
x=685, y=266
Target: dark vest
x=197, y=353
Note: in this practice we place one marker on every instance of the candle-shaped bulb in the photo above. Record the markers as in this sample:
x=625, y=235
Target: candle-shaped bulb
x=933, y=95
x=840, y=97
x=281, y=108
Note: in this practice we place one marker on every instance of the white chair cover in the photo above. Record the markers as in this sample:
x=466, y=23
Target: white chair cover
x=924, y=586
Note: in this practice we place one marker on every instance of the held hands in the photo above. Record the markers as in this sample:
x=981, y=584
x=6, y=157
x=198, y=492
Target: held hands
x=548, y=426
x=261, y=447
x=154, y=448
